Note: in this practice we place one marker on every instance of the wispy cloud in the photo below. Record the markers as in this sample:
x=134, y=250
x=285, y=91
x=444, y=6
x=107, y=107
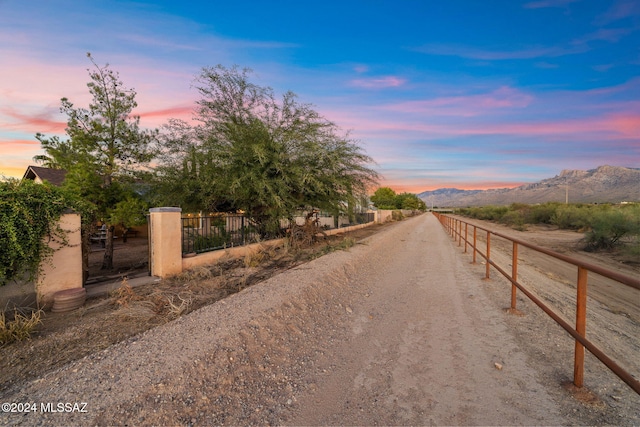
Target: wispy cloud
x=548, y=3
x=361, y=69
x=466, y=106
x=611, y=35
x=156, y=41
x=40, y=122
x=497, y=55
x=378, y=82
x=184, y=112
x=621, y=9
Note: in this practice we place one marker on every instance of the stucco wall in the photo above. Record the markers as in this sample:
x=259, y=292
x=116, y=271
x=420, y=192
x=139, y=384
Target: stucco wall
x=64, y=269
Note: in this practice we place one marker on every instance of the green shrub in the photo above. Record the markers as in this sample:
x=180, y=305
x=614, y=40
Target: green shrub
x=490, y=213
x=218, y=239
x=571, y=217
x=609, y=226
x=515, y=219
x=542, y=214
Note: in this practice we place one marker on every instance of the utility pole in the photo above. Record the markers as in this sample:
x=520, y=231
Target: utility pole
x=566, y=194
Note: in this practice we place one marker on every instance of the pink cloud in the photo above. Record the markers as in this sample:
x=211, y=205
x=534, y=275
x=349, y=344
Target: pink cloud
x=417, y=185
x=624, y=124
x=378, y=83
x=41, y=122
x=466, y=106
x=19, y=144
x=616, y=126
x=161, y=116
x=438, y=118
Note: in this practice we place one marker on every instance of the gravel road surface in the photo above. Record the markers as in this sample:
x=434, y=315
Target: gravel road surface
x=398, y=330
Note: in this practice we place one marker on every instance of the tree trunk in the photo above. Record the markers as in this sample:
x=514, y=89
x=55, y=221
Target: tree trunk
x=107, y=261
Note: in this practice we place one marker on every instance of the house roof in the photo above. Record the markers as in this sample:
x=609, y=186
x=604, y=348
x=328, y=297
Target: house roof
x=54, y=176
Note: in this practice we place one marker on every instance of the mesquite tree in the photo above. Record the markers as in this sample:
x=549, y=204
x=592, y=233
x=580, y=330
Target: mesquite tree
x=259, y=155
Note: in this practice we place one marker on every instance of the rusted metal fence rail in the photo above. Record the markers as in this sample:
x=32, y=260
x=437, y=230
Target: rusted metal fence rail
x=460, y=231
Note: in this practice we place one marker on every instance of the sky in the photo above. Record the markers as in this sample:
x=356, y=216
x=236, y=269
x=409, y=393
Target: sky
x=458, y=93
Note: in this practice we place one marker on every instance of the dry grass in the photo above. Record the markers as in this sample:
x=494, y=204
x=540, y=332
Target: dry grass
x=178, y=309
x=124, y=294
x=196, y=273
x=20, y=328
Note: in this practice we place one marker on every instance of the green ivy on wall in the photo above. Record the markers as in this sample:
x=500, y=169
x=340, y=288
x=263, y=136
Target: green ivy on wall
x=29, y=215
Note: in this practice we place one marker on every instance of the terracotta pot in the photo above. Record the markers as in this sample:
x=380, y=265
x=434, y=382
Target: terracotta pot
x=68, y=300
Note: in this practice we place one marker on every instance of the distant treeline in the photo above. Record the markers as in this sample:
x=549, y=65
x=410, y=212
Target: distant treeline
x=605, y=225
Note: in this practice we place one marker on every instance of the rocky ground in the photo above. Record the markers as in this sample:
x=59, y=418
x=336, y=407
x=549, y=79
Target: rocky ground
x=399, y=329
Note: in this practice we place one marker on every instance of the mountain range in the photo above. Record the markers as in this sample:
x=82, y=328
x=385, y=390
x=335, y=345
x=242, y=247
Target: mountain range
x=612, y=184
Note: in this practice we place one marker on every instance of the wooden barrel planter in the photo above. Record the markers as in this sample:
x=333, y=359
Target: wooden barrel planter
x=68, y=300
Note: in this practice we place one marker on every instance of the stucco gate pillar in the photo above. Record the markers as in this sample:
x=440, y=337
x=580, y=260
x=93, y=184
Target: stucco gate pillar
x=165, y=230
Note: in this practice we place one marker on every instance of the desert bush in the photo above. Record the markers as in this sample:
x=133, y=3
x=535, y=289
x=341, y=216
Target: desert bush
x=515, y=219
x=609, y=226
x=20, y=327
x=571, y=217
x=542, y=214
x=396, y=215
x=487, y=213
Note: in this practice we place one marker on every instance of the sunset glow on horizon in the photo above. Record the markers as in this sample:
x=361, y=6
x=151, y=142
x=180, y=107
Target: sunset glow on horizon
x=459, y=94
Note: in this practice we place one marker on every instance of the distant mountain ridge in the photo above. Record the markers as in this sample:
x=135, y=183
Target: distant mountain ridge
x=612, y=184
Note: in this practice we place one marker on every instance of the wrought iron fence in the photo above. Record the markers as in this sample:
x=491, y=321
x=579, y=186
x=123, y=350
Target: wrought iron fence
x=214, y=232
x=210, y=233
x=364, y=218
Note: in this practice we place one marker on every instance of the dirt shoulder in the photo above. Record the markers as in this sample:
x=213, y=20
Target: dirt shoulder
x=104, y=321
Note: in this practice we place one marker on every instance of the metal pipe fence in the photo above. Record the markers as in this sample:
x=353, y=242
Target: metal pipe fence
x=460, y=234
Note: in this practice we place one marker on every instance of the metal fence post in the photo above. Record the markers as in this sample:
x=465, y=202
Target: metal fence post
x=581, y=326
x=475, y=238
x=242, y=228
x=488, y=254
x=466, y=236
x=514, y=275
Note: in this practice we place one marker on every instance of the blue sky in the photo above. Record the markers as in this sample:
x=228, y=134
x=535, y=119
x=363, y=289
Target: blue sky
x=467, y=94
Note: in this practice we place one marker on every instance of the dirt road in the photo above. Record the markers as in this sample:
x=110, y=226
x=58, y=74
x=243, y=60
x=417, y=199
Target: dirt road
x=399, y=330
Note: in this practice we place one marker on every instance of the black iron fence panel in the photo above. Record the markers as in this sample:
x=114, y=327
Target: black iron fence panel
x=210, y=233
x=215, y=232
x=364, y=218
